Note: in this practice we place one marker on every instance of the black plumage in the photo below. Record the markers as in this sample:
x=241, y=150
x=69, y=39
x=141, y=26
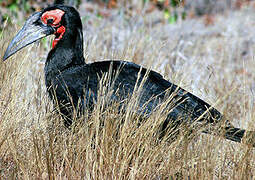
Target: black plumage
x=73, y=84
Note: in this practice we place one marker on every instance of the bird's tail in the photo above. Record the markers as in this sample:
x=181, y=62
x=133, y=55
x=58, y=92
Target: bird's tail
x=239, y=135
x=232, y=133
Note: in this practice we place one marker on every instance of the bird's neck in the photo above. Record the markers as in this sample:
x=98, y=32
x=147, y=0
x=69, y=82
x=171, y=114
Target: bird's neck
x=66, y=54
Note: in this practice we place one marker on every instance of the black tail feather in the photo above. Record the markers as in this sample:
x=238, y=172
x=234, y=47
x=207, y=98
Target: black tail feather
x=234, y=134
x=239, y=135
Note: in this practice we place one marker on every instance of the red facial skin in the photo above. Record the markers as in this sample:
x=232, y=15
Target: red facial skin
x=56, y=16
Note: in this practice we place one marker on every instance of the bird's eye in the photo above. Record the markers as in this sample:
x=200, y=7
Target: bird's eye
x=50, y=21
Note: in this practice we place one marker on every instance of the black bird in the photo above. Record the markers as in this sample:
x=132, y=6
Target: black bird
x=73, y=85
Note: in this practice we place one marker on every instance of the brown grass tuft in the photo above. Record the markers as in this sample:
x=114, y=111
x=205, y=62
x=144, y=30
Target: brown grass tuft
x=214, y=63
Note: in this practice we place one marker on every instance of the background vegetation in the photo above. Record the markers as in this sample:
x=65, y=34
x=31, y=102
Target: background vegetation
x=209, y=53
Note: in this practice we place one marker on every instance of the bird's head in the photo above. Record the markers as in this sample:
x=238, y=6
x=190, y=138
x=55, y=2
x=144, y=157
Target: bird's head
x=62, y=21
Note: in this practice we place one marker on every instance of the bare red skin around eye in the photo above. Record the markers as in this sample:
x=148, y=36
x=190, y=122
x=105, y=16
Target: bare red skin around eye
x=56, y=15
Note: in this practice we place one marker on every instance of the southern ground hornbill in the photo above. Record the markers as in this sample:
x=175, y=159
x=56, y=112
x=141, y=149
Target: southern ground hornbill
x=73, y=85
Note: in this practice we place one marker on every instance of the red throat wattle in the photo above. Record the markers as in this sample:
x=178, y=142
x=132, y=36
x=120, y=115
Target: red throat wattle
x=59, y=34
x=55, y=17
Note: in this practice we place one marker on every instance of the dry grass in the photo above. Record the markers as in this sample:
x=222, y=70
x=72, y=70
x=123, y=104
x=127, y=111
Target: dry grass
x=215, y=63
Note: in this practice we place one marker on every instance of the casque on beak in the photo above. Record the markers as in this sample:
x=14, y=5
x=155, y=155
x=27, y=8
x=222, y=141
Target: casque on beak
x=32, y=31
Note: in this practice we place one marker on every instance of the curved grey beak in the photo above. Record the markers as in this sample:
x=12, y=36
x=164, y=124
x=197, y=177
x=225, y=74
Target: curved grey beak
x=32, y=31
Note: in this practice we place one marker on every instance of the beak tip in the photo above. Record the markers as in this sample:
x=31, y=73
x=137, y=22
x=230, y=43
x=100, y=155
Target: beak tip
x=6, y=56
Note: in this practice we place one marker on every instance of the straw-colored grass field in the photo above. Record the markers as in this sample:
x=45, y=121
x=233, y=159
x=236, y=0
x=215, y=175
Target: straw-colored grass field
x=213, y=62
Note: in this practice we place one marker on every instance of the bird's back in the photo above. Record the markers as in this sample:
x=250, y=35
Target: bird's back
x=120, y=80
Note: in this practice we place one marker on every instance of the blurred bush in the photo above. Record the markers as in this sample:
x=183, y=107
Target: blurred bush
x=205, y=7
x=15, y=9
